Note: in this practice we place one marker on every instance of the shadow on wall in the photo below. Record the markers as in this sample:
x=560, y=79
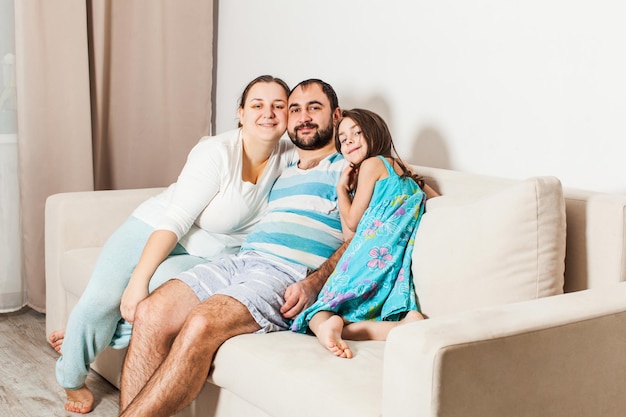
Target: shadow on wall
x=376, y=103
x=429, y=149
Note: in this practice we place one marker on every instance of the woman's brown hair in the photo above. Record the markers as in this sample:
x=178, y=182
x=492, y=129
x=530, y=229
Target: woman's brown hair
x=260, y=79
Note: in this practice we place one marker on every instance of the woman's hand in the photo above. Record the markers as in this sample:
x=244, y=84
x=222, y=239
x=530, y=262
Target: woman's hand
x=133, y=294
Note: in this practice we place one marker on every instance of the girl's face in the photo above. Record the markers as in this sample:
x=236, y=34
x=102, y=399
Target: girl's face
x=352, y=140
x=264, y=114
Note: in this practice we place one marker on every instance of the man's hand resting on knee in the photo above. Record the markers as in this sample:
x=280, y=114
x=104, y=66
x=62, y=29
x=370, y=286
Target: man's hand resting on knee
x=300, y=295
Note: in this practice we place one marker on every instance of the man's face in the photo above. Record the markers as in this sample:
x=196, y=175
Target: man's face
x=310, y=125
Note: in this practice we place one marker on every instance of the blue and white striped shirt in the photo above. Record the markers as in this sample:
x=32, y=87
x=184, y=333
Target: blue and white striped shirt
x=302, y=223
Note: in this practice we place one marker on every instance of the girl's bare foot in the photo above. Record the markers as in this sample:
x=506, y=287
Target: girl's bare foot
x=79, y=400
x=56, y=339
x=329, y=335
x=411, y=316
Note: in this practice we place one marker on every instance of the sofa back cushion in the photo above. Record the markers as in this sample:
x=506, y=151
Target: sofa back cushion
x=498, y=248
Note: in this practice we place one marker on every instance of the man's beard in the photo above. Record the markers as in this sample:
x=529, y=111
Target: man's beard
x=320, y=139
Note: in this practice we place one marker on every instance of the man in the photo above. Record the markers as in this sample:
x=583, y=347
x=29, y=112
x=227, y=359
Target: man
x=179, y=328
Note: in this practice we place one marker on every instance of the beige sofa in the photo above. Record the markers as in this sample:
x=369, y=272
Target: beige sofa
x=492, y=257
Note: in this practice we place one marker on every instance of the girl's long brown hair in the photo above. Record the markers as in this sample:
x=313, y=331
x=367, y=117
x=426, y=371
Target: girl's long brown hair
x=378, y=139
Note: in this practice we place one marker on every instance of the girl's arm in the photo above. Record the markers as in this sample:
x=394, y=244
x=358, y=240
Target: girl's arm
x=344, y=197
x=370, y=171
x=430, y=191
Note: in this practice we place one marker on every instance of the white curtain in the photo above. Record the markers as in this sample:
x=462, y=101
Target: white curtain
x=12, y=285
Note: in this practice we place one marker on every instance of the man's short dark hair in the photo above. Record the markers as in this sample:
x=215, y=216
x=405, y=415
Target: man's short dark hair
x=328, y=90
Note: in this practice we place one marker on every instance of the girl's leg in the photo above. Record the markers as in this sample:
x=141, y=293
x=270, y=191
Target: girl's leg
x=328, y=328
x=376, y=330
x=93, y=320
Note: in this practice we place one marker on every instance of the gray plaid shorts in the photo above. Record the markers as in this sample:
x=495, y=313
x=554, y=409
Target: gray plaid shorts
x=256, y=280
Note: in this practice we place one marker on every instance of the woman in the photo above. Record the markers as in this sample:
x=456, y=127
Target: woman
x=216, y=200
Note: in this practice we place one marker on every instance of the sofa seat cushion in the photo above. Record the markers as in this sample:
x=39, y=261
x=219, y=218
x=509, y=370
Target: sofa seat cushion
x=288, y=374
x=499, y=248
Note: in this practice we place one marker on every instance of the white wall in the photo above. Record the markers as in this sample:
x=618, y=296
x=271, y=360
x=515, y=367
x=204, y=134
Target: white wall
x=498, y=87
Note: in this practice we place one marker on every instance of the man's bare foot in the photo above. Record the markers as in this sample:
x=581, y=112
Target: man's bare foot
x=56, y=339
x=79, y=400
x=329, y=335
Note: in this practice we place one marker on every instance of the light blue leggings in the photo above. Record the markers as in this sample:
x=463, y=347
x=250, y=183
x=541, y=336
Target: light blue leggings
x=95, y=322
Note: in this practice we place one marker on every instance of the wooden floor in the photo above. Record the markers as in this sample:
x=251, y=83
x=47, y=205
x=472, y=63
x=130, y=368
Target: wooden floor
x=28, y=387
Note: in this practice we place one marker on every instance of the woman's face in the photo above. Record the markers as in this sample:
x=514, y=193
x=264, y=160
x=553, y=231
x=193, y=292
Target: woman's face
x=352, y=140
x=264, y=114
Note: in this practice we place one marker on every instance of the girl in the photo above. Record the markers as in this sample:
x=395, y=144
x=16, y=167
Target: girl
x=371, y=289
x=218, y=197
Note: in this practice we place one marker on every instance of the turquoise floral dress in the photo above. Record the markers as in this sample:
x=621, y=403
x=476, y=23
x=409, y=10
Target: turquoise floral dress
x=372, y=280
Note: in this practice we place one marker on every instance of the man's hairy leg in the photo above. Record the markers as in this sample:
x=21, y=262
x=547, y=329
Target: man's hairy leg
x=183, y=373
x=158, y=320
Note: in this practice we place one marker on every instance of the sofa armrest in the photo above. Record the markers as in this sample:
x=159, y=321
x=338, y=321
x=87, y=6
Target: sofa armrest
x=564, y=355
x=596, y=239
x=80, y=220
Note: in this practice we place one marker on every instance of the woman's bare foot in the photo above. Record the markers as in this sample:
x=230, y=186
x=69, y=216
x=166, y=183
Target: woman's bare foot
x=79, y=400
x=329, y=335
x=56, y=339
